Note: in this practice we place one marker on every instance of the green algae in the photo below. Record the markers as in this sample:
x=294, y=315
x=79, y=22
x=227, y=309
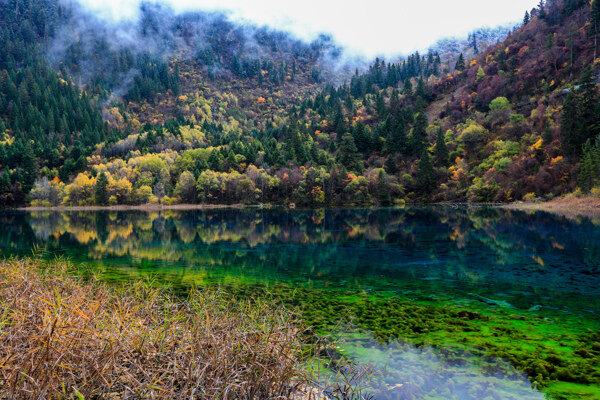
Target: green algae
x=550, y=351
x=568, y=391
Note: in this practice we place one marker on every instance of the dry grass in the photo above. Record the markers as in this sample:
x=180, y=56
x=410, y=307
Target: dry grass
x=569, y=206
x=61, y=338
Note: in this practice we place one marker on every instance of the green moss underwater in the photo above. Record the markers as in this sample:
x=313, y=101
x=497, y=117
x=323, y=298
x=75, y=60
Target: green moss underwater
x=559, y=354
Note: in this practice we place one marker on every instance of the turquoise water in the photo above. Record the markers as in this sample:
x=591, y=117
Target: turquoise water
x=498, y=259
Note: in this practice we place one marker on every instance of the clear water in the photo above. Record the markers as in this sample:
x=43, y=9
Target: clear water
x=491, y=257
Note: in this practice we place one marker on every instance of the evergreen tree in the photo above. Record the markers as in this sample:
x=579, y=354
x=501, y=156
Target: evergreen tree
x=426, y=178
x=348, y=153
x=408, y=87
x=4, y=182
x=441, y=150
x=589, y=172
x=542, y=10
x=394, y=103
x=100, y=194
x=595, y=24
x=460, y=64
x=581, y=114
x=526, y=18
x=30, y=168
x=380, y=107
x=390, y=166
x=474, y=44
x=418, y=137
x=339, y=123
x=397, y=141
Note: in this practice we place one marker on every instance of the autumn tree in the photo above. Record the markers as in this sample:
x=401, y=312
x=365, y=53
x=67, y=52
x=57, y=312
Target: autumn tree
x=383, y=192
x=185, y=189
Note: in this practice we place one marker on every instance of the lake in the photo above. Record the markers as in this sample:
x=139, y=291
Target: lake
x=443, y=302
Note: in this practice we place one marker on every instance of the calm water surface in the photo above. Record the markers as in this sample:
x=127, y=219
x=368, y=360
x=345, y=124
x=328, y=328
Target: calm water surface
x=494, y=257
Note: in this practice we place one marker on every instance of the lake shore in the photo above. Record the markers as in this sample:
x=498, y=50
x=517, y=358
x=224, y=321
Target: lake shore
x=141, y=207
x=568, y=206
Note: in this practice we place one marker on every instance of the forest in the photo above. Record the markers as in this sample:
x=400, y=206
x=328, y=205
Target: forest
x=194, y=109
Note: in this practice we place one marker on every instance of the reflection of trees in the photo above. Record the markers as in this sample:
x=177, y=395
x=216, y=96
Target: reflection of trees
x=359, y=247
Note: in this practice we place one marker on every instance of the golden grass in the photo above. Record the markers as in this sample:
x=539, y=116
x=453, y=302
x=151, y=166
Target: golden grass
x=61, y=337
x=569, y=206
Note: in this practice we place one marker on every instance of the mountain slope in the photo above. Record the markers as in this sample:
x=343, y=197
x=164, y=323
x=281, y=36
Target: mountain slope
x=198, y=109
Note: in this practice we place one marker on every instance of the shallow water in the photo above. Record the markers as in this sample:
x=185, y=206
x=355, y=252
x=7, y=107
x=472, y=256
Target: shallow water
x=480, y=257
x=406, y=371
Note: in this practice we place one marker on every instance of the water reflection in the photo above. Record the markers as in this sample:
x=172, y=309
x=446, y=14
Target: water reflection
x=493, y=256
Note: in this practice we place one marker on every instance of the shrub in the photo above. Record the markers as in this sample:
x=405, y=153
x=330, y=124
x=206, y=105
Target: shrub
x=530, y=198
x=499, y=103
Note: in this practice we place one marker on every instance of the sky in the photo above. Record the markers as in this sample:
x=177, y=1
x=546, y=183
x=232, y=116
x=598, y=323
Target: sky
x=365, y=28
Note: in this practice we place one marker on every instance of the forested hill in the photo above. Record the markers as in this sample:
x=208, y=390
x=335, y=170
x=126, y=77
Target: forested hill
x=192, y=108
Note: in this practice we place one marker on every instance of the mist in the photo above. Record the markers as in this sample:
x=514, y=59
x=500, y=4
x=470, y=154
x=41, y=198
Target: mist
x=98, y=48
x=376, y=28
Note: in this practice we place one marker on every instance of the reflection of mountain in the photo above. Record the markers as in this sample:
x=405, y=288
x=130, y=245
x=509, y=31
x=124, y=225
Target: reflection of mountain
x=463, y=250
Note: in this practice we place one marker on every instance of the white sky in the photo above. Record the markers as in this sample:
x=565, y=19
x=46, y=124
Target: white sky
x=369, y=28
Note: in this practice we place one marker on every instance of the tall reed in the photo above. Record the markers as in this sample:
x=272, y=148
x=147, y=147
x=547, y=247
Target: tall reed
x=62, y=337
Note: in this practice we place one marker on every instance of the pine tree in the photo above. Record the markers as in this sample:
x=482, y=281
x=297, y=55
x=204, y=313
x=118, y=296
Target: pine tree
x=426, y=178
x=100, y=194
x=460, y=64
x=595, y=24
x=408, y=87
x=380, y=107
x=542, y=9
x=347, y=154
x=441, y=150
x=4, y=182
x=418, y=137
x=397, y=140
x=526, y=18
x=390, y=166
x=30, y=168
x=394, y=103
x=581, y=114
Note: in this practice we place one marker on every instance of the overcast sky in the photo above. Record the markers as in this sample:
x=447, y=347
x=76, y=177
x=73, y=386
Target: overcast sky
x=369, y=28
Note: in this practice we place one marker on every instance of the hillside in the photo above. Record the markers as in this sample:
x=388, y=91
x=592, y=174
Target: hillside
x=197, y=109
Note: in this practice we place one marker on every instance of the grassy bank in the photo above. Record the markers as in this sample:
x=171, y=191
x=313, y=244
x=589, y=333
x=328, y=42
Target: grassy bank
x=569, y=206
x=61, y=337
